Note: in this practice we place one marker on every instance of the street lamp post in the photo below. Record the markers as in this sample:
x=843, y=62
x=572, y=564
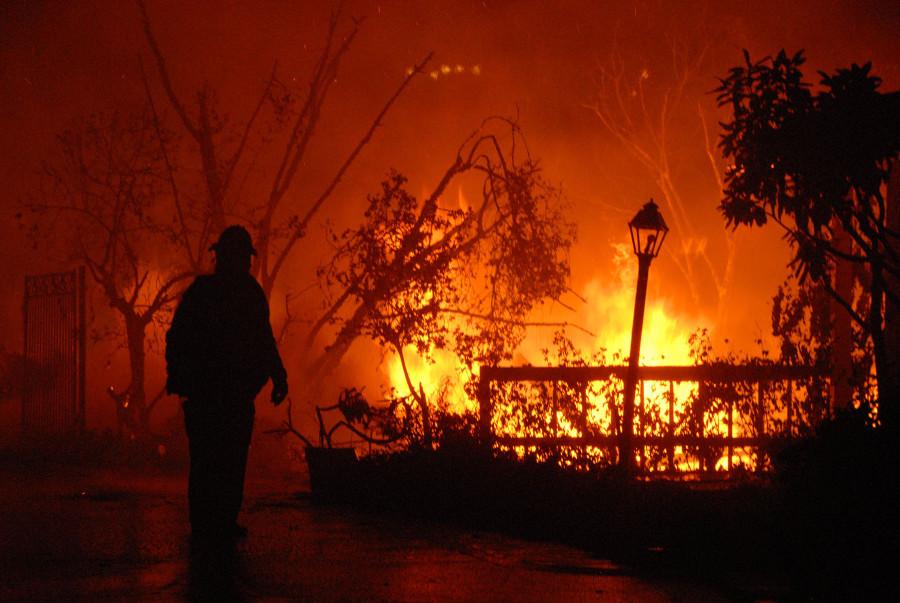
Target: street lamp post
x=648, y=231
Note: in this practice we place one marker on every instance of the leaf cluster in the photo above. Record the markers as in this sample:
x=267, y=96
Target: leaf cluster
x=814, y=161
x=423, y=275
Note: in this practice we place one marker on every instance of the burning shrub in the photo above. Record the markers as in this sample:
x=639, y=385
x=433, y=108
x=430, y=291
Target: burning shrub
x=418, y=276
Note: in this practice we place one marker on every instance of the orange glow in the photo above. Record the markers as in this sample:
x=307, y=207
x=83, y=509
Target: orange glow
x=607, y=313
x=442, y=377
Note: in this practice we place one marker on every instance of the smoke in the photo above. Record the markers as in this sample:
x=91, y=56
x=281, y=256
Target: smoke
x=538, y=61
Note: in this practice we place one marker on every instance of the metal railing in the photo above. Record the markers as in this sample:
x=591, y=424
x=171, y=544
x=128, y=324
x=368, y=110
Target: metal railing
x=53, y=400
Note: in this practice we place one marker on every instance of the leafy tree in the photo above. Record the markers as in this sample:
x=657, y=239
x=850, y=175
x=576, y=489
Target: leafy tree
x=805, y=330
x=816, y=162
x=419, y=274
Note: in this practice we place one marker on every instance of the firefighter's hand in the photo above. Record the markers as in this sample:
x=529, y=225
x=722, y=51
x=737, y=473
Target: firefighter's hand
x=279, y=392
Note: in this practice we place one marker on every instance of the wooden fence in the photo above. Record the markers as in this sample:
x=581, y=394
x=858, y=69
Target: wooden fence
x=759, y=377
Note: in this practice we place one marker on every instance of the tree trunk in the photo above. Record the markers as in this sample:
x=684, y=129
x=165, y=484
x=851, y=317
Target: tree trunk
x=136, y=335
x=842, y=333
x=889, y=401
x=326, y=362
x=427, y=434
x=884, y=367
x=211, y=167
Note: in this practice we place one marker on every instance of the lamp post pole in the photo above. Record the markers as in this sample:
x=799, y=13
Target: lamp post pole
x=626, y=452
x=648, y=231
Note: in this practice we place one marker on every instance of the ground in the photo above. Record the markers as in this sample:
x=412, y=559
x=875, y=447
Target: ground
x=92, y=535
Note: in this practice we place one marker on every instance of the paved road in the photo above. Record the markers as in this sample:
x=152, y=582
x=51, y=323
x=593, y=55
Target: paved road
x=102, y=536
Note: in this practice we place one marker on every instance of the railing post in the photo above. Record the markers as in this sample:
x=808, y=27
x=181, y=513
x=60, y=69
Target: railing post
x=614, y=423
x=26, y=385
x=730, y=448
x=704, y=449
x=790, y=409
x=760, y=425
x=554, y=419
x=584, y=406
x=671, y=427
x=82, y=352
x=485, y=409
x=641, y=457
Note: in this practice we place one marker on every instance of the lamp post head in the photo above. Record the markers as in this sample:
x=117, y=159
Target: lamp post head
x=648, y=231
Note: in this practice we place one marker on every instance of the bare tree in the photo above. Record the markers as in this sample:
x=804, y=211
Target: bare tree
x=121, y=197
x=104, y=206
x=646, y=111
x=277, y=225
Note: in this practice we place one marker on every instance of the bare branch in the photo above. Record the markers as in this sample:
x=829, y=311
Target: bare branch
x=161, y=298
x=159, y=396
x=519, y=323
x=248, y=127
x=164, y=73
x=288, y=426
x=170, y=169
x=301, y=226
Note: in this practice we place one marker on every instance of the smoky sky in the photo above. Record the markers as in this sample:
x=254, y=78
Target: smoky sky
x=533, y=60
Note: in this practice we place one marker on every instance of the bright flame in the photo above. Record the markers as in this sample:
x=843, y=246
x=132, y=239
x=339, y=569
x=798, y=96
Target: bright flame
x=443, y=377
x=608, y=312
x=462, y=200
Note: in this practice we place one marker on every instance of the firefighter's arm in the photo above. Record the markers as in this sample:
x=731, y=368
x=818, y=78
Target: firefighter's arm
x=273, y=361
x=179, y=344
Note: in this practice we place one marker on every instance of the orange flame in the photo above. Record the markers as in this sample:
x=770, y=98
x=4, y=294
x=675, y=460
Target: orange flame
x=608, y=312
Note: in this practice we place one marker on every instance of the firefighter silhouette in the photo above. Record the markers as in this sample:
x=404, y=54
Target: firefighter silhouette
x=220, y=352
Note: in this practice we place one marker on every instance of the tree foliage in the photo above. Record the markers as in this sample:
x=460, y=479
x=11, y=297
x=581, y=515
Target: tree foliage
x=812, y=162
x=816, y=162
x=424, y=275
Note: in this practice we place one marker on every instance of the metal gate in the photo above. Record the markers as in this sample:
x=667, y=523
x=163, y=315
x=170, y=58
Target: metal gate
x=54, y=392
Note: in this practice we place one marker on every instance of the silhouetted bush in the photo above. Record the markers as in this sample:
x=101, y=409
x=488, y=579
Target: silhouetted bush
x=823, y=528
x=839, y=508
